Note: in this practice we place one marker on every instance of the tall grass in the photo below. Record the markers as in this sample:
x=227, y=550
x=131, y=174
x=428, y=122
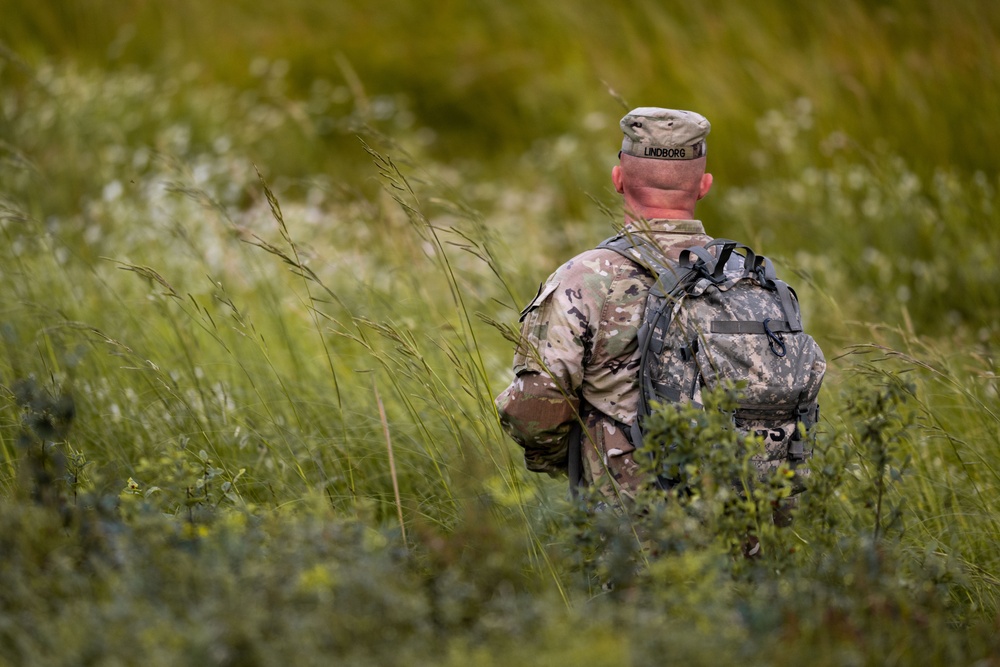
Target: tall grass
x=247, y=402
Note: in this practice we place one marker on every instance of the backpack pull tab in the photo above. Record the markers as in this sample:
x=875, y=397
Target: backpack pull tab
x=774, y=340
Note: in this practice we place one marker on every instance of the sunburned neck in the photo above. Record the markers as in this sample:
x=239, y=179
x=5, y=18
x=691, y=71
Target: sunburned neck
x=648, y=213
x=653, y=203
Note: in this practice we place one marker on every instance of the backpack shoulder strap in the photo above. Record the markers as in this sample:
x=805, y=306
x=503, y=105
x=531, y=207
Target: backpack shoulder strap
x=671, y=277
x=645, y=254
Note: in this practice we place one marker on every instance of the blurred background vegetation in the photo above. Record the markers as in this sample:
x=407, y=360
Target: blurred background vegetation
x=914, y=78
x=257, y=268
x=902, y=93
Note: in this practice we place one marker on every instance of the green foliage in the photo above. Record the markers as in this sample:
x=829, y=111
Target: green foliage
x=247, y=360
x=829, y=568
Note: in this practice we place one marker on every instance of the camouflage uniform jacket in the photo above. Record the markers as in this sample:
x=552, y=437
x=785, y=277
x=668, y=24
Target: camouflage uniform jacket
x=578, y=355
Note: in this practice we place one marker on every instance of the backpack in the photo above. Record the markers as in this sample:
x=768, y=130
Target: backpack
x=711, y=319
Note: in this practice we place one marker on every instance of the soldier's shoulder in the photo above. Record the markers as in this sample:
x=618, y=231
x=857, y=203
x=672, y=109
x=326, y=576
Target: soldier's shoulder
x=602, y=262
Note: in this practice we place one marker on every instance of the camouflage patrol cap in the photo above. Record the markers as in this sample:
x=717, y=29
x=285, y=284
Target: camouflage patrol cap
x=664, y=134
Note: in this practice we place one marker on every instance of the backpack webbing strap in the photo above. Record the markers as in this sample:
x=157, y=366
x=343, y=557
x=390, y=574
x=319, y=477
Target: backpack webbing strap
x=788, y=305
x=705, y=262
x=715, y=266
x=668, y=278
x=769, y=279
x=735, y=327
x=646, y=388
x=808, y=415
x=574, y=463
x=636, y=433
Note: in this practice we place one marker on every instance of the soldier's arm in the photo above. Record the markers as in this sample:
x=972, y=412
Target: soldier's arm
x=538, y=415
x=541, y=405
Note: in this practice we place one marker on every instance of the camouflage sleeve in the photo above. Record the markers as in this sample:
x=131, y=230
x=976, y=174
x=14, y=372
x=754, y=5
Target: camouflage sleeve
x=539, y=407
x=538, y=416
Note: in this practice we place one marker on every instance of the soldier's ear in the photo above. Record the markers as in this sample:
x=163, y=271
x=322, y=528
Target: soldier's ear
x=618, y=179
x=706, y=185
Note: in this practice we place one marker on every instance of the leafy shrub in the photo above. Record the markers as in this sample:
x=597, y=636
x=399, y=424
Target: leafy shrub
x=834, y=571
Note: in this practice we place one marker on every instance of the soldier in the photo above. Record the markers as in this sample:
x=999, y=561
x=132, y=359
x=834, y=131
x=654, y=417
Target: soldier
x=577, y=361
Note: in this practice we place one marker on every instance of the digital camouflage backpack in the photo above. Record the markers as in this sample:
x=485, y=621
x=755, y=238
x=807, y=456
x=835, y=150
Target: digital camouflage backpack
x=712, y=318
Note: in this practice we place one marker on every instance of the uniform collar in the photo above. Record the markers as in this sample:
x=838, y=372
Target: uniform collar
x=667, y=226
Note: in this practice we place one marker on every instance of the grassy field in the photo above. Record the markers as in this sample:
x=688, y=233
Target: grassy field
x=259, y=272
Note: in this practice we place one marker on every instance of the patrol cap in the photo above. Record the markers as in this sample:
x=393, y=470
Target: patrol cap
x=664, y=134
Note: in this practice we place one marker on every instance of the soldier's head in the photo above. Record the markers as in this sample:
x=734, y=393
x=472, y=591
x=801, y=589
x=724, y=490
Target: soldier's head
x=661, y=171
